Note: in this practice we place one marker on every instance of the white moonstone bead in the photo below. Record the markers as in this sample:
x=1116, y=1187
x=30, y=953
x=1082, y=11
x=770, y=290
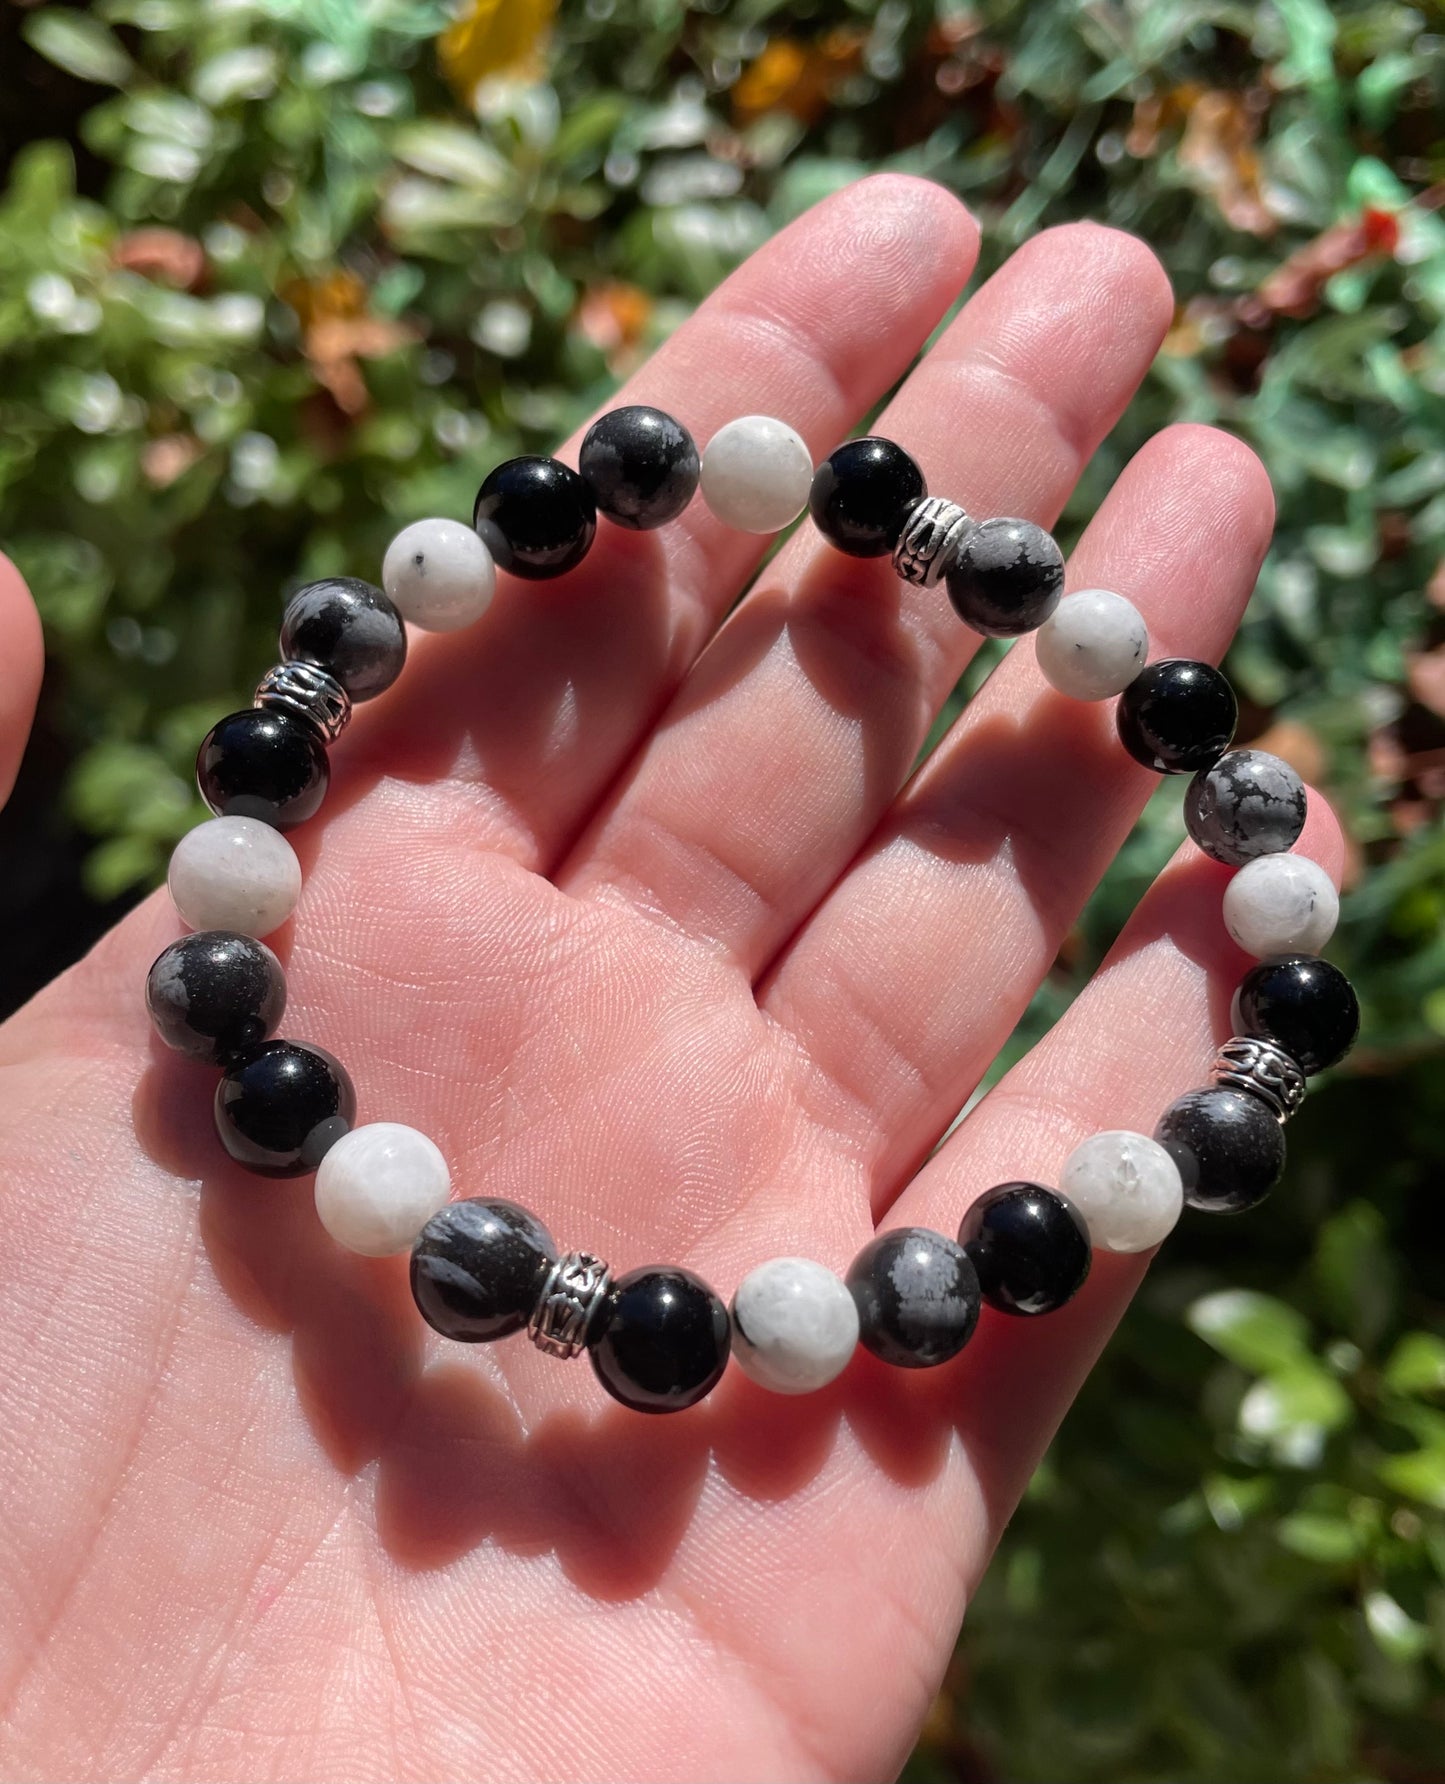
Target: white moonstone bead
x=235, y=873
x=795, y=1325
x=756, y=474
x=1281, y=904
x=1092, y=645
x=379, y=1185
x=1127, y=1188
x=439, y=575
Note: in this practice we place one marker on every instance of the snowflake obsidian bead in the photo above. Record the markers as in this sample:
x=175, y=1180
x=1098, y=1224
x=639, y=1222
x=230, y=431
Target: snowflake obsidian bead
x=1006, y=579
x=350, y=629
x=917, y=1297
x=1247, y=805
x=641, y=466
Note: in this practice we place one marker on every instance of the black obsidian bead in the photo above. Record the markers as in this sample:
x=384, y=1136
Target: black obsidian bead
x=478, y=1267
x=1302, y=1004
x=536, y=516
x=1007, y=578
x=1177, y=716
x=265, y=764
x=660, y=1340
x=917, y=1297
x=1029, y=1245
x=641, y=466
x=1228, y=1146
x=863, y=493
x=350, y=629
x=209, y=995
x=282, y=1105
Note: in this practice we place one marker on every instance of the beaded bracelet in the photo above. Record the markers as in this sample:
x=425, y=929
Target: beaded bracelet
x=659, y=1338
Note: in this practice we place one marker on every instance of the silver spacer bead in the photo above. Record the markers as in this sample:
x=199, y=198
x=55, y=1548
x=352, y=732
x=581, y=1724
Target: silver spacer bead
x=310, y=693
x=568, y=1303
x=1262, y=1069
x=930, y=541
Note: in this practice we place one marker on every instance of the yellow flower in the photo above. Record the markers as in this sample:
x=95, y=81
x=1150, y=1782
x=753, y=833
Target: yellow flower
x=494, y=37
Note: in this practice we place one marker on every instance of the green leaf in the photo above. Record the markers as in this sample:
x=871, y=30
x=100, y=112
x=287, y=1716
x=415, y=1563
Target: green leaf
x=449, y=152
x=1397, y=1633
x=1356, y=1273
x=1317, y=1537
x=1254, y=1330
x=1293, y=1410
x=80, y=44
x=1417, y=1364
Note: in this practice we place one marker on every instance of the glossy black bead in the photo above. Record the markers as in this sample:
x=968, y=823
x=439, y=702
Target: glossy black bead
x=660, y=1340
x=1302, y=1004
x=478, y=1267
x=350, y=629
x=917, y=1297
x=536, y=517
x=211, y=994
x=1007, y=578
x=263, y=763
x=1029, y=1245
x=1228, y=1146
x=282, y=1105
x=641, y=466
x=863, y=493
x=1177, y=716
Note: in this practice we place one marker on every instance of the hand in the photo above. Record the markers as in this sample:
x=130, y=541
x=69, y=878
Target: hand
x=632, y=911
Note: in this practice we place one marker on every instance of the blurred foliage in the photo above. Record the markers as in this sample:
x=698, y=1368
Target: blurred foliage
x=343, y=258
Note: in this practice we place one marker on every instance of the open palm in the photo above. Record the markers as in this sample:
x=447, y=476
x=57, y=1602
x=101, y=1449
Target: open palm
x=633, y=912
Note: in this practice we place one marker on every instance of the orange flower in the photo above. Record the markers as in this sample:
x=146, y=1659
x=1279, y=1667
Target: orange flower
x=494, y=37
x=797, y=77
x=338, y=330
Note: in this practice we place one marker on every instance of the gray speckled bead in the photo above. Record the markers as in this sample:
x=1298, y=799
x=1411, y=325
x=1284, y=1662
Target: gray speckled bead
x=917, y=1295
x=1247, y=805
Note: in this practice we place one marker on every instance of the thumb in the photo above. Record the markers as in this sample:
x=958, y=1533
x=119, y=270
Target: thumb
x=22, y=658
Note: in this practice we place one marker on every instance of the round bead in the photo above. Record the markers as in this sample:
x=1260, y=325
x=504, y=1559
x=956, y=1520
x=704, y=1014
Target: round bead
x=282, y=1105
x=263, y=764
x=660, y=1340
x=1247, y=805
x=1281, y=904
x=477, y=1269
x=536, y=516
x=862, y=495
x=210, y=995
x=1304, y=1005
x=439, y=575
x=1092, y=645
x=1029, y=1246
x=795, y=1325
x=1126, y=1187
x=756, y=473
x=1228, y=1146
x=1177, y=716
x=641, y=466
x=917, y=1297
x=379, y=1185
x=348, y=628
x=1007, y=578
x=234, y=873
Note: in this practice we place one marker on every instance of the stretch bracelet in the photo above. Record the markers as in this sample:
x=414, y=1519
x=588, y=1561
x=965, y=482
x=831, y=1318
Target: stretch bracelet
x=659, y=1337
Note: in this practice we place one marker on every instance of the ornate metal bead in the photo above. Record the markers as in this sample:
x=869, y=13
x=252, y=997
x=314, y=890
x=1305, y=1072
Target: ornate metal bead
x=930, y=540
x=568, y=1303
x=310, y=693
x=1249, y=1063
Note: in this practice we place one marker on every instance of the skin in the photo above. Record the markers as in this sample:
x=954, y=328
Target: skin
x=634, y=909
